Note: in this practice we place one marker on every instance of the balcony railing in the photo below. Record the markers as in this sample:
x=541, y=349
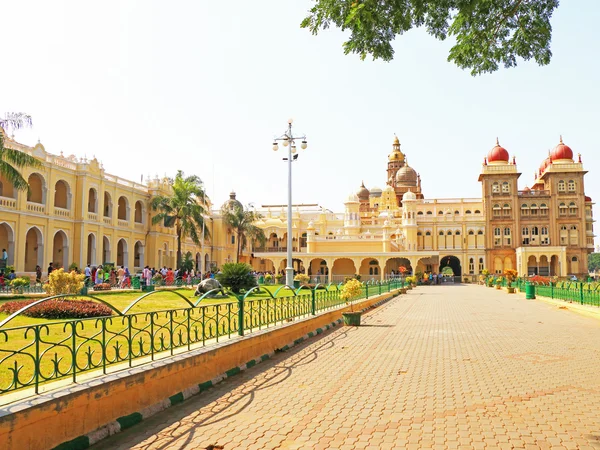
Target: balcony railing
x=36, y=207
x=534, y=193
x=273, y=249
x=123, y=223
x=92, y=216
x=7, y=202
x=107, y=220
x=62, y=212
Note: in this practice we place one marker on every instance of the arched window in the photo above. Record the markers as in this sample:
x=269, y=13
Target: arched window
x=571, y=186
x=123, y=208
x=468, y=211
x=505, y=187
x=525, y=231
x=457, y=233
x=507, y=236
x=471, y=232
x=62, y=193
x=456, y=212
x=480, y=233
x=497, y=210
x=506, y=209
x=544, y=209
x=572, y=209
x=471, y=266
x=534, y=209
x=440, y=213
x=139, y=212
x=561, y=186
x=441, y=233
x=480, y=265
x=562, y=209
x=535, y=231
x=524, y=210
x=420, y=213
x=428, y=233
x=429, y=213
x=507, y=231
x=93, y=201
x=497, y=237
x=477, y=211
x=449, y=233
x=495, y=187
x=419, y=233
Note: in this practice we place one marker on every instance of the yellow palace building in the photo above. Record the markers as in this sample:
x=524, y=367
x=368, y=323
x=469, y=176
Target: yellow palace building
x=546, y=229
x=76, y=212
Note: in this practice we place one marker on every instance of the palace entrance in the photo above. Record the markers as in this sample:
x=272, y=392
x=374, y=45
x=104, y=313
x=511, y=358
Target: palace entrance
x=450, y=269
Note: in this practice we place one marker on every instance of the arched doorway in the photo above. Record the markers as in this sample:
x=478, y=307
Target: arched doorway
x=34, y=249
x=92, y=201
x=7, y=241
x=62, y=194
x=198, y=261
x=318, y=271
x=574, y=263
x=138, y=255
x=60, y=250
x=342, y=268
x=451, y=263
x=37, y=189
x=105, y=250
x=122, y=253
x=139, y=212
x=394, y=265
x=91, y=249
x=123, y=208
x=369, y=269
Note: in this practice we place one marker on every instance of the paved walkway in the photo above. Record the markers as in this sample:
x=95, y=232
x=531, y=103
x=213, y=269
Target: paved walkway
x=441, y=368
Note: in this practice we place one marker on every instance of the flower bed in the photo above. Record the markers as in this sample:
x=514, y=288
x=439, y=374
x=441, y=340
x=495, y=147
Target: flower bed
x=102, y=287
x=59, y=309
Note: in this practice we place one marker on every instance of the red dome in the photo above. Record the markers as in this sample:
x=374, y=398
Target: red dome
x=588, y=199
x=498, y=154
x=562, y=151
x=544, y=165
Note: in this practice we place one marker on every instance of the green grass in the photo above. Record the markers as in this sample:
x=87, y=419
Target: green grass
x=214, y=314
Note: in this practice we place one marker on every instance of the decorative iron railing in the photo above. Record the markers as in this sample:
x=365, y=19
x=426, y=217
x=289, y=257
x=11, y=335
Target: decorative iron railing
x=39, y=353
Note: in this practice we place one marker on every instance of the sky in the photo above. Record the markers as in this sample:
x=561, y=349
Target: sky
x=151, y=87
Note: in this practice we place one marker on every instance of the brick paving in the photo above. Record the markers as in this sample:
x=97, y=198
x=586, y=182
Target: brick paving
x=449, y=367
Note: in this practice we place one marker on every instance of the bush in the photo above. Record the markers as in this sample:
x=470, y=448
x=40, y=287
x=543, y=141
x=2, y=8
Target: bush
x=539, y=280
x=102, y=287
x=236, y=276
x=351, y=290
x=302, y=278
x=59, y=309
x=268, y=278
x=20, y=282
x=73, y=267
x=61, y=282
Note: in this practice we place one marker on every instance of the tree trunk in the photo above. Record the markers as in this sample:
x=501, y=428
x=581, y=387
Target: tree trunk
x=178, y=248
x=237, y=255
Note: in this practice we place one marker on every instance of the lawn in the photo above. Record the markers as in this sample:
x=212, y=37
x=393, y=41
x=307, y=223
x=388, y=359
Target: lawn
x=157, y=323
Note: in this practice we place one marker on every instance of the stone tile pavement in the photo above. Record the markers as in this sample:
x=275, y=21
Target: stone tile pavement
x=448, y=367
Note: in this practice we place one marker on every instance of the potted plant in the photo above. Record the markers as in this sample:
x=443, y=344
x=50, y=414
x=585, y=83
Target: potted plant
x=268, y=278
x=499, y=283
x=350, y=291
x=278, y=278
x=18, y=284
x=299, y=279
x=510, y=275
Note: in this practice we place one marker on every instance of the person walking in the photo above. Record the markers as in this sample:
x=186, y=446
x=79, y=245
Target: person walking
x=38, y=274
x=120, y=274
x=88, y=274
x=99, y=275
x=50, y=268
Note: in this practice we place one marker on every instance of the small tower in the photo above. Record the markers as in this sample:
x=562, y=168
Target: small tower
x=409, y=219
x=351, y=215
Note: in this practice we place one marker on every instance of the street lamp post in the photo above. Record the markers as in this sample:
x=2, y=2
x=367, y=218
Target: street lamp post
x=289, y=140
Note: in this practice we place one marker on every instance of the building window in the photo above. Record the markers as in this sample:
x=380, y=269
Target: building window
x=571, y=186
x=481, y=266
x=497, y=237
x=471, y=266
x=524, y=210
x=562, y=209
x=441, y=233
x=497, y=210
x=545, y=239
x=428, y=233
x=232, y=239
x=562, y=186
x=543, y=209
x=505, y=187
x=572, y=209
x=507, y=236
x=495, y=188
x=477, y=211
x=533, y=209
x=468, y=211
x=440, y=213
x=564, y=235
x=420, y=213
x=506, y=210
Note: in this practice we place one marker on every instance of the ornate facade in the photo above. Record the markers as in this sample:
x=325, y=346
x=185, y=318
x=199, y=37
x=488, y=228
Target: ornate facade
x=546, y=229
x=76, y=212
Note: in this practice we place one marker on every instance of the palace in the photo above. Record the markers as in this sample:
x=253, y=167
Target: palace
x=75, y=212
x=546, y=229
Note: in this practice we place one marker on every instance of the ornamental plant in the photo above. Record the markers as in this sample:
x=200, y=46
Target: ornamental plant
x=350, y=291
x=61, y=282
x=268, y=278
x=59, y=309
x=499, y=281
x=302, y=278
x=510, y=275
x=237, y=277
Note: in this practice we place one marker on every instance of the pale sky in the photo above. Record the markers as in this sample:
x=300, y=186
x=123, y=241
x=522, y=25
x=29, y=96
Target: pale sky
x=151, y=87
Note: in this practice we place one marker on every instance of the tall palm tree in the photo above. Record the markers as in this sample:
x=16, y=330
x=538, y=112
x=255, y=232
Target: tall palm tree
x=184, y=209
x=242, y=222
x=11, y=161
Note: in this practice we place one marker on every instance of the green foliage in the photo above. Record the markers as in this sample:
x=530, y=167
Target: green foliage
x=242, y=222
x=594, y=262
x=302, y=278
x=12, y=161
x=187, y=263
x=61, y=282
x=183, y=209
x=237, y=277
x=20, y=282
x=73, y=266
x=488, y=33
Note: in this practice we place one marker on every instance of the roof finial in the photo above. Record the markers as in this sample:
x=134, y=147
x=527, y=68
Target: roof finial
x=362, y=183
x=561, y=139
x=497, y=142
x=579, y=156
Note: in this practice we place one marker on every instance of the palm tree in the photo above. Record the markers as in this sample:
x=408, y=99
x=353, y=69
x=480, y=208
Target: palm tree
x=11, y=161
x=183, y=209
x=242, y=223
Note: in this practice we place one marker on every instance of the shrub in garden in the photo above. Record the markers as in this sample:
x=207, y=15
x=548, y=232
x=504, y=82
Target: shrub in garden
x=61, y=282
x=350, y=291
x=268, y=278
x=237, y=277
x=510, y=275
x=59, y=309
x=539, y=280
x=102, y=287
x=20, y=282
x=302, y=278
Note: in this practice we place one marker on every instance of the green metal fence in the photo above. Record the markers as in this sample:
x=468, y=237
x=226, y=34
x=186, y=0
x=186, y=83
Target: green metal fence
x=35, y=354
x=583, y=293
